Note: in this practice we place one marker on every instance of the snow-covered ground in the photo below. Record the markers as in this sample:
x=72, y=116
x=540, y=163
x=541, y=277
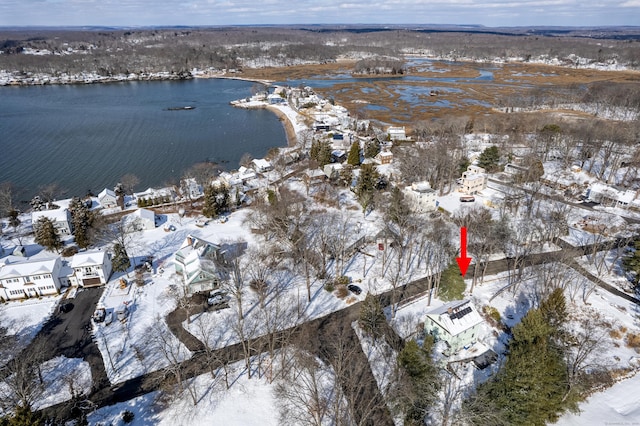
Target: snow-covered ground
x=26, y=317
x=618, y=405
x=246, y=402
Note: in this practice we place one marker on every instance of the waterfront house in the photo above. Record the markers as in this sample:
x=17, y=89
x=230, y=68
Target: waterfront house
x=21, y=279
x=420, y=197
x=108, y=199
x=261, y=165
x=61, y=219
x=90, y=268
x=456, y=323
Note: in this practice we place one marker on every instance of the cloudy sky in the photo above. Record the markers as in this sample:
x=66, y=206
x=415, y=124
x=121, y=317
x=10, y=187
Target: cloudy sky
x=238, y=12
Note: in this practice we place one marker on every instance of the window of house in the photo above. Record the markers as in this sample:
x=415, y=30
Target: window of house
x=88, y=270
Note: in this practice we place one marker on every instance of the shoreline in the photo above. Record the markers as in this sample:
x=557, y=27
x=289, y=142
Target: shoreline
x=292, y=137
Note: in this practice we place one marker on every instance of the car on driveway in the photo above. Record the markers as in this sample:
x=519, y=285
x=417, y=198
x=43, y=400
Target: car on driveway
x=66, y=307
x=354, y=289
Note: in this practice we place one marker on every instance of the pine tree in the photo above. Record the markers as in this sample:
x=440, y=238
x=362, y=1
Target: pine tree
x=216, y=200
x=367, y=184
x=82, y=219
x=120, y=261
x=631, y=262
x=531, y=387
x=372, y=317
x=421, y=381
x=489, y=159
x=354, y=154
x=371, y=148
x=46, y=235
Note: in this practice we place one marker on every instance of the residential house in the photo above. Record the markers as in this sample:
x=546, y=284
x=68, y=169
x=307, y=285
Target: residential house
x=29, y=278
x=473, y=180
x=420, y=197
x=456, y=323
x=90, y=268
x=198, y=262
x=143, y=219
x=610, y=195
x=332, y=170
x=313, y=177
x=276, y=99
x=191, y=189
x=108, y=199
x=338, y=156
x=261, y=165
x=384, y=157
x=397, y=133
x=61, y=219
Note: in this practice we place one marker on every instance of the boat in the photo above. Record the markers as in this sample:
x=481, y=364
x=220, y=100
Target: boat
x=181, y=108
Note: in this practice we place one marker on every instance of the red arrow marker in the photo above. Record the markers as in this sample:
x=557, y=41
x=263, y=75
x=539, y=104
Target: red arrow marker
x=463, y=260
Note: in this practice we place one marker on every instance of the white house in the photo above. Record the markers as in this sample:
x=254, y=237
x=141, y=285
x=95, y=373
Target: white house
x=261, y=165
x=108, y=199
x=332, y=170
x=90, y=268
x=30, y=278
x=456, y=323
x=474, y=180
x=420, y=197
x=61, y=219
x=397, y=133
x=144, y=219
x=611, y=196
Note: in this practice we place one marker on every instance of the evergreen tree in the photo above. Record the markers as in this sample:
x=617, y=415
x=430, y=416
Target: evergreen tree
x=354, y=154
x=372, y=317
x=324, y=153
x=82, y=219
x=367, y=184
x=346, y=175
x=421, y=382
x=216, y=200
x=531, y=388
x=23, y=416
x=489, y=159
x=120, y=261
x=631, y=262
x=46, y=235
x=371, y=148
x=397, y=211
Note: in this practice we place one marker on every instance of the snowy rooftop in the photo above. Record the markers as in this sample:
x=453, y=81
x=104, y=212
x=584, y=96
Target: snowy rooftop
x=56, y=215
x=456, y=316
x=145, y=214
x=28, y=267
x=88, y=258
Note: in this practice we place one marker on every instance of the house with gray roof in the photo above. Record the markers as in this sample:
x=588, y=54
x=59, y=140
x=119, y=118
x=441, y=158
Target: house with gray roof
x=456, y=323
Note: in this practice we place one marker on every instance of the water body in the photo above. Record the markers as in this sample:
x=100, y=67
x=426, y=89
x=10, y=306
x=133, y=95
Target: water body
x=86, y=137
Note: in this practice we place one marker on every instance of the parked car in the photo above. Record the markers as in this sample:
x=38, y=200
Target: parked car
x=354, y=289
x=216, y=299
x=66, y=307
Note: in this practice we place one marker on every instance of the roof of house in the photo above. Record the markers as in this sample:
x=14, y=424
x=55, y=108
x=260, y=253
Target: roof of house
x=145, y=214
x=261, y=163
x=106, y=192
x=88, y=258
x=29, y=267
x=455, y=317
x=55, y=215
x=422, y=187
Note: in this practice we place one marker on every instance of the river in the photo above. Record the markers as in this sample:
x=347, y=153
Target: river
x=86, y=137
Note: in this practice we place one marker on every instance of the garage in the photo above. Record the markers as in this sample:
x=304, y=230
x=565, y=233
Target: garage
x=91, y=282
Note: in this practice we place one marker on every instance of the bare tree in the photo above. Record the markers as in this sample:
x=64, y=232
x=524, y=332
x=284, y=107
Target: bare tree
x=129, y=183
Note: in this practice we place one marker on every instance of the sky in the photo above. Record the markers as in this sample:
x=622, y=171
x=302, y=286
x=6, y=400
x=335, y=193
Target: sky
x=492, y=13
